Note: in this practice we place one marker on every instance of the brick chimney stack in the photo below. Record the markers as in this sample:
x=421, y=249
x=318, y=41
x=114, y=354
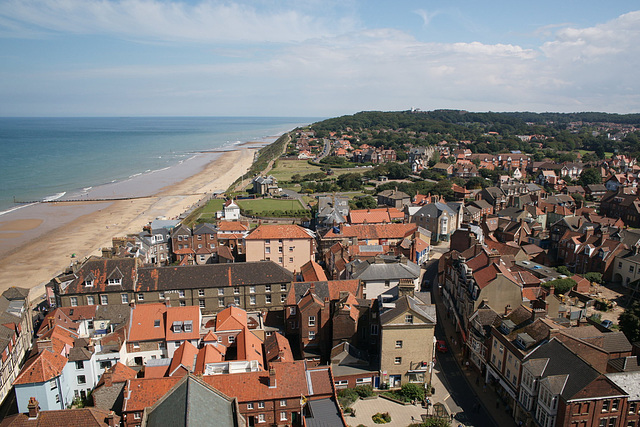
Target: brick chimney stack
x=33, y=407
x=111, y=419
x=272, y=377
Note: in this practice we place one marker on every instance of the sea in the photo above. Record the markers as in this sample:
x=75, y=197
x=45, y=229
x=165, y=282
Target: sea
x=45, y=159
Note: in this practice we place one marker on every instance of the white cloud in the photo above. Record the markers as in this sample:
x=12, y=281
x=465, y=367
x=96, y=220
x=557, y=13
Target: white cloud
x=204, y=22
x=426, y=15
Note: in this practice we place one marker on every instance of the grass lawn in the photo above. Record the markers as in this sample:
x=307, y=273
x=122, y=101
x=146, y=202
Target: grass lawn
x=285, y=169
x=260, y=205
x=583, y=152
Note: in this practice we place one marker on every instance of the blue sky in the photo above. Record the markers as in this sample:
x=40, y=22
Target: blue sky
x=316, y=57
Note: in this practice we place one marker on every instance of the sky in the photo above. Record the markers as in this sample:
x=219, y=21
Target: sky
x=316, y=58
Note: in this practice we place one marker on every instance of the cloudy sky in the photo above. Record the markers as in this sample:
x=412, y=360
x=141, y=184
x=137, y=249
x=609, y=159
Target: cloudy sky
x=318, y=58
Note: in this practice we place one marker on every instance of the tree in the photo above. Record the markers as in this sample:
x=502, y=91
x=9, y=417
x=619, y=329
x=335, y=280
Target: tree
x=412, y=391
x=629, y=322
x=350, y=182
x=561, y=286
x=593, y=277
x=590, y=176
x=563, y=270
x=365, y=202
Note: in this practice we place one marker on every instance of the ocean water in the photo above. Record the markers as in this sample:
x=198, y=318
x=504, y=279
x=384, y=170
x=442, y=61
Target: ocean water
x=49, y=158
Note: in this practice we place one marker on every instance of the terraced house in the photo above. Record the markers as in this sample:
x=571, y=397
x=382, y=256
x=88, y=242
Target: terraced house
x=212, y=287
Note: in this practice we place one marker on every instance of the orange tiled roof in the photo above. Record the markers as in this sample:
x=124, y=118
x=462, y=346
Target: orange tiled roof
x=210, y=337
x=181, y=314
x=374, y=231
x=272, y=231
x=321, y=380
x=209, y=354
x=119, y=374
x=232, y=226
x=369, y=216
x=142, y=326
x=312, y=272
x=231, y=318
x=142, y=392
x=278, y=348
x=249, y=347
x=184, y=356
x=45, y=366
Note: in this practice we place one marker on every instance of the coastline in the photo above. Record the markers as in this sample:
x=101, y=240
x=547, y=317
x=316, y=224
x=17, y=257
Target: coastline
x=37, y=241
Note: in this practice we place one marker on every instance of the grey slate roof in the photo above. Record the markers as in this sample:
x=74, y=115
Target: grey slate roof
x=205, y=228
x=323, y=413
x=391, y=269
x=435, y=210
x=625, y=364
x=211, y=276
x=562, y=361
x=193, y=403
x=407, y=303
x=629, y=382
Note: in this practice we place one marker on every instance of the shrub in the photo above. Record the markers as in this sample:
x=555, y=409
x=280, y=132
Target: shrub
x=381, y=418
x=412, y=392
x=364, y=390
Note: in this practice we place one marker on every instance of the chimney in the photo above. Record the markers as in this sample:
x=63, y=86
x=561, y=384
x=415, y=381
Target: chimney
x=507, y=309
x=132, y=304
x=107, y=376
x=111, y=419
x=167, y=302
x=272, y=377
x=312, y=287
x=45, y=344
x=33, y=407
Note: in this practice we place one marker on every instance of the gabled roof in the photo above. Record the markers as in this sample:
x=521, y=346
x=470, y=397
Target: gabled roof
x=408, y=304
x=390, y=268
x=81, y=417
x=232, y=226
x=143, y=321
x=312, y=272
x=119, y=373
x=330, y=289
x=211, y=276
x=209, y=353
x=231, y=318
x=373, y=231
x=277, y=348
x=192, y=402
x=99, y=270
x=286, y=231
x=42, y=367
x=183, y=315
x=184, y=357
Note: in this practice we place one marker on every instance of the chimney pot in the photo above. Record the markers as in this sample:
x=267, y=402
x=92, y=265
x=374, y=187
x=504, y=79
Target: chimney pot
x=111, y=419
x=33, y=407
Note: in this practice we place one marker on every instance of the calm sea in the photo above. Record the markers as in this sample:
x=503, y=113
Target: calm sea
x=50, y=157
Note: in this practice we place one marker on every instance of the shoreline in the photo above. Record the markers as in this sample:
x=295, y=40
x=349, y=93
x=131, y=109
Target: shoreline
x=37, y=241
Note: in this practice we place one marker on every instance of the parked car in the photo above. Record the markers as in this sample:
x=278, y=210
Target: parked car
x=606, y=323
x=441, y=346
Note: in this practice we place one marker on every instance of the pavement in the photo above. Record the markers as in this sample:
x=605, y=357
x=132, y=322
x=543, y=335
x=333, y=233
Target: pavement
x=401, y=415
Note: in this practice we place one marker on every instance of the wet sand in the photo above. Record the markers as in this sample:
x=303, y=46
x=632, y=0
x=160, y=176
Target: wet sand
x=37, y=242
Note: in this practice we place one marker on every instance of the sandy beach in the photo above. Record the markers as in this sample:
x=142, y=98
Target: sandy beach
x=37, y=242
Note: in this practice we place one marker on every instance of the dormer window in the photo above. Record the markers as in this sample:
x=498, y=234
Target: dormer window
x=88, y=282
x=159, y=238
x=156, y=323
x=188, y=326
x=114, y=281
x=176, y=327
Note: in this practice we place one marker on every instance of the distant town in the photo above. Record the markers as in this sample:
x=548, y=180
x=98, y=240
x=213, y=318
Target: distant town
x=441, y=268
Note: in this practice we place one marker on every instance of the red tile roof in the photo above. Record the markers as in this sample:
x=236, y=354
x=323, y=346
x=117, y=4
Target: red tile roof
x=277, y=348
x=182, y=314
x=210, y=337
x=142, y=318
x=209, y=354
x=184, y=356
x=321, y=381
x=119, y=373
x=374, y=231
x=231, y=318
x=42, y=367
x=142, y=392
x=254, y=386
x=271, y=231
x=81, y=417
x=232, y=226
x=312, y=272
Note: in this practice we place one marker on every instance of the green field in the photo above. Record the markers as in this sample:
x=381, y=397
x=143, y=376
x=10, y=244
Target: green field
x=285, y=169
x=606, y=153
x=263, y=205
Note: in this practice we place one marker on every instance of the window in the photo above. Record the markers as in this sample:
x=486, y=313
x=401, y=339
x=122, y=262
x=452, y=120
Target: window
x=312, y=335
x=114, y=281
x=312, y=320
x=88, y=282
x=79, y=364
x=283, y=287
x=156, y=323
x=220, y=302
x=136, y=345
x=283, y=416
x=397, y=360
x=252, y=289
x=374, y=329
x=290, y=259
x=267, y=241
x=249, y=405
x=176, y=327
x=90, y=324
x=283, y=402
x=91, y=300
x=236, y=300
x=399, y=344
x=162, y=345
x=53, y=384
x=279, y=259
x=231, y=339
x=105, y=364
x=283, y=297
x=188, y=326
x=252, y=300
x=140, y=297
x=236, y=290
x=181, y=293
x=267, y=250
x=632, y=407
x=104, y=299
x=81, y=379
x=261, y=405
x=201, y=303
x=124, y=298
x=290, y=248
x=605, y=406
x=220, y=291
x=615, y=404
x=267, y=299
x=292, y=311
x=57, y=398
x=183, y=304
x=267, y=288
x=280, y=249
x=74, y=301
x=161, y=295
x=200, y=292
x=260, y=418
x=408, y=318
x=136, y=415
